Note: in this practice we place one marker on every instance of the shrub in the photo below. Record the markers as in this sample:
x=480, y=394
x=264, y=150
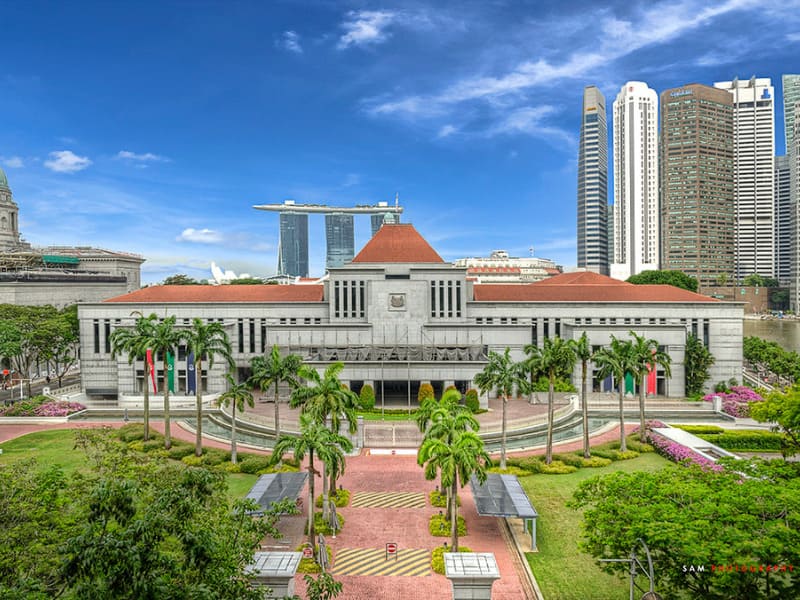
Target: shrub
x=437, y=557
x=557, y=468
x=569, y=459
x=637, y=446
x=232, y=468
x=736, y=402
x=746, y=441
x=340, y=498
x=531, y=464
x=367, y=397
x=471, y=400
x=213, y=456
x=192, y=460
x=559, y=385
x=425, y=392
x=178, y=451
x=701, y=429
x=450, y=388
x=439, y=499
x=510, y=471
x=322, y=526
x=594, y=462
x=284, y=468
x=132, y=432
x=253, y=464
x=439, y=526
x=614, y=453
x=681, y=454
x=310, y=565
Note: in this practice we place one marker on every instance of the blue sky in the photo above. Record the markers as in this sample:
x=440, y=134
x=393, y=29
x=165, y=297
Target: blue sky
x=153, y=127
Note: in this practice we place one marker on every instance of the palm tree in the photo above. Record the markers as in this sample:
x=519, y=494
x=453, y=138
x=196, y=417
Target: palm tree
x=325, y=397
x=237, y=395
x=616, y=361
x=583, y=352
x=273, y=370
x=205, y=339
x=504, y=377
x=456, y=461
x=555, y=358
x=444, y=419
x=163, y=338
x=647, y=356
x=314, y=438
x=133, y=341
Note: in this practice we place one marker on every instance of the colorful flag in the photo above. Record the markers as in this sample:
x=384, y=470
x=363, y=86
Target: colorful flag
x=171, y=371
x=651, y=377
x=152, y=369
x=629, y=383
x=190, y=375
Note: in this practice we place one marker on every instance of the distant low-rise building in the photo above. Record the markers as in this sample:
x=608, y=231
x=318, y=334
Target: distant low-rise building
x=499, y=267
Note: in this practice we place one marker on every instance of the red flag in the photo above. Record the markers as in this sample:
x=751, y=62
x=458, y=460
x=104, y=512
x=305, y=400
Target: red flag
x=651, y=378
x=152, y=369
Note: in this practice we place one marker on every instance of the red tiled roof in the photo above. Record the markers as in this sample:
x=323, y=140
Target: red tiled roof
x=397, y=243
x=584, y=287
x=477, y=270
x=223, y=293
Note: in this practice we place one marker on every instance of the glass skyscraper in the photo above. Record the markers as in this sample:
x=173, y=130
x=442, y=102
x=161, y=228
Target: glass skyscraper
x=593, y=183
x=340, y=239
x=293, y=245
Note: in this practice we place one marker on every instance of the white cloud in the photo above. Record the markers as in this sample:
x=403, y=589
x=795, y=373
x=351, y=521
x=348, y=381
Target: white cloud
x=364, y=27
x=290, y=40
x=532, y=120
x=200, y=236
x=793, y=37
x=66, y=161
x=12, y=162
x=446, y=131
x=351, y=180
x=146, y=157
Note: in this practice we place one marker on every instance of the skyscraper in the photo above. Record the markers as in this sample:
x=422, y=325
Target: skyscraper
x=293, y=245
x=340, y=239
x=636, y=215
x=791, y=96
x=593, y=183
x=754, y=175
x=696, y=158
x=784, y=220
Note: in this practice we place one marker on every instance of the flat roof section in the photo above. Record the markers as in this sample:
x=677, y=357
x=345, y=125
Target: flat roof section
x=274, y=487
x=502, y=496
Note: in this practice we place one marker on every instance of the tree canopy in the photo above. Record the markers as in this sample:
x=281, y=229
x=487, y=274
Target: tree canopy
x=133, y=526
x=691, y=518
x=180, y=279
x=783, y=409
x=676, y=278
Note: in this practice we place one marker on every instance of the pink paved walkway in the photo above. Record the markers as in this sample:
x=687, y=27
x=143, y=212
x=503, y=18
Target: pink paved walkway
x=374, y=527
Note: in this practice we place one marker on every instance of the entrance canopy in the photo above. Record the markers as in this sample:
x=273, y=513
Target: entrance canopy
x=274, y=487
x=503, y=496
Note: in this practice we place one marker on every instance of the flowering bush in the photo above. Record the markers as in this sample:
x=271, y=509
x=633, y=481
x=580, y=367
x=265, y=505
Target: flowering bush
x=737, y=402
x=680, y=454
x=41, y=406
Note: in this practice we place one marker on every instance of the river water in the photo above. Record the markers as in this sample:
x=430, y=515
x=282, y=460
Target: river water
x=783, y=331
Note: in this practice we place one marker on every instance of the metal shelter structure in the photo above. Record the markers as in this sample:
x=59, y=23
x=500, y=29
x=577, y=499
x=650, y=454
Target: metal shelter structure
x=503, y=496
x=274, y=487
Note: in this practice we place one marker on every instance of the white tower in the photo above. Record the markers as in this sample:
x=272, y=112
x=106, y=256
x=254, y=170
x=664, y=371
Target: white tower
x=753, y=175
x=636, y=210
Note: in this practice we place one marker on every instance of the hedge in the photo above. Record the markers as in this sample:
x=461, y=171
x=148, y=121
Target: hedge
x=322, y=526
x=440, y=525
x=701, y=429
x=471, y=400
x=748, y=441
x=253, y=464
x=340, y=498
x=367, y=397
x=439, y=499
x=510, y=471
x=310, y=565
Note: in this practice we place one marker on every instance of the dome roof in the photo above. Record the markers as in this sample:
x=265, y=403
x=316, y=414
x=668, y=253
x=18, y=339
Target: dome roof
x=3, y=180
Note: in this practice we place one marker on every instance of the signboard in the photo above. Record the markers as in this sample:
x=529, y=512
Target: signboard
x=308, y=552
x=391, y=550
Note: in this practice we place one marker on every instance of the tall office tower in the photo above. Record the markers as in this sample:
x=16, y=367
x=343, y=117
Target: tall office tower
x=610, y=229
x=696, y=158
x=791, y=96
x=794, y=173
x=340, y=239
x=636, y=215
x=593, y=183
x=293, y=245
x=784, y=219
x=753, y=175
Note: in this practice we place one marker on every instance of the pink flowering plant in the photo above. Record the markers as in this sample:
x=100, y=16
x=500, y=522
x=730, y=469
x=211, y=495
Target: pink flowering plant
x=736, y=402
x=681, y=454
x=41, y=406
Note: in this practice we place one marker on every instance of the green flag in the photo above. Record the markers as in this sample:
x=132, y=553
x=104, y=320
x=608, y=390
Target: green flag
x=629, y=384
x=171, y=371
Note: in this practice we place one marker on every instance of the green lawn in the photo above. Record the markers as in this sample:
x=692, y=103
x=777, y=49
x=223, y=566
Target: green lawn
x=57, y=447
x=561, y=569
x=53, y=447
